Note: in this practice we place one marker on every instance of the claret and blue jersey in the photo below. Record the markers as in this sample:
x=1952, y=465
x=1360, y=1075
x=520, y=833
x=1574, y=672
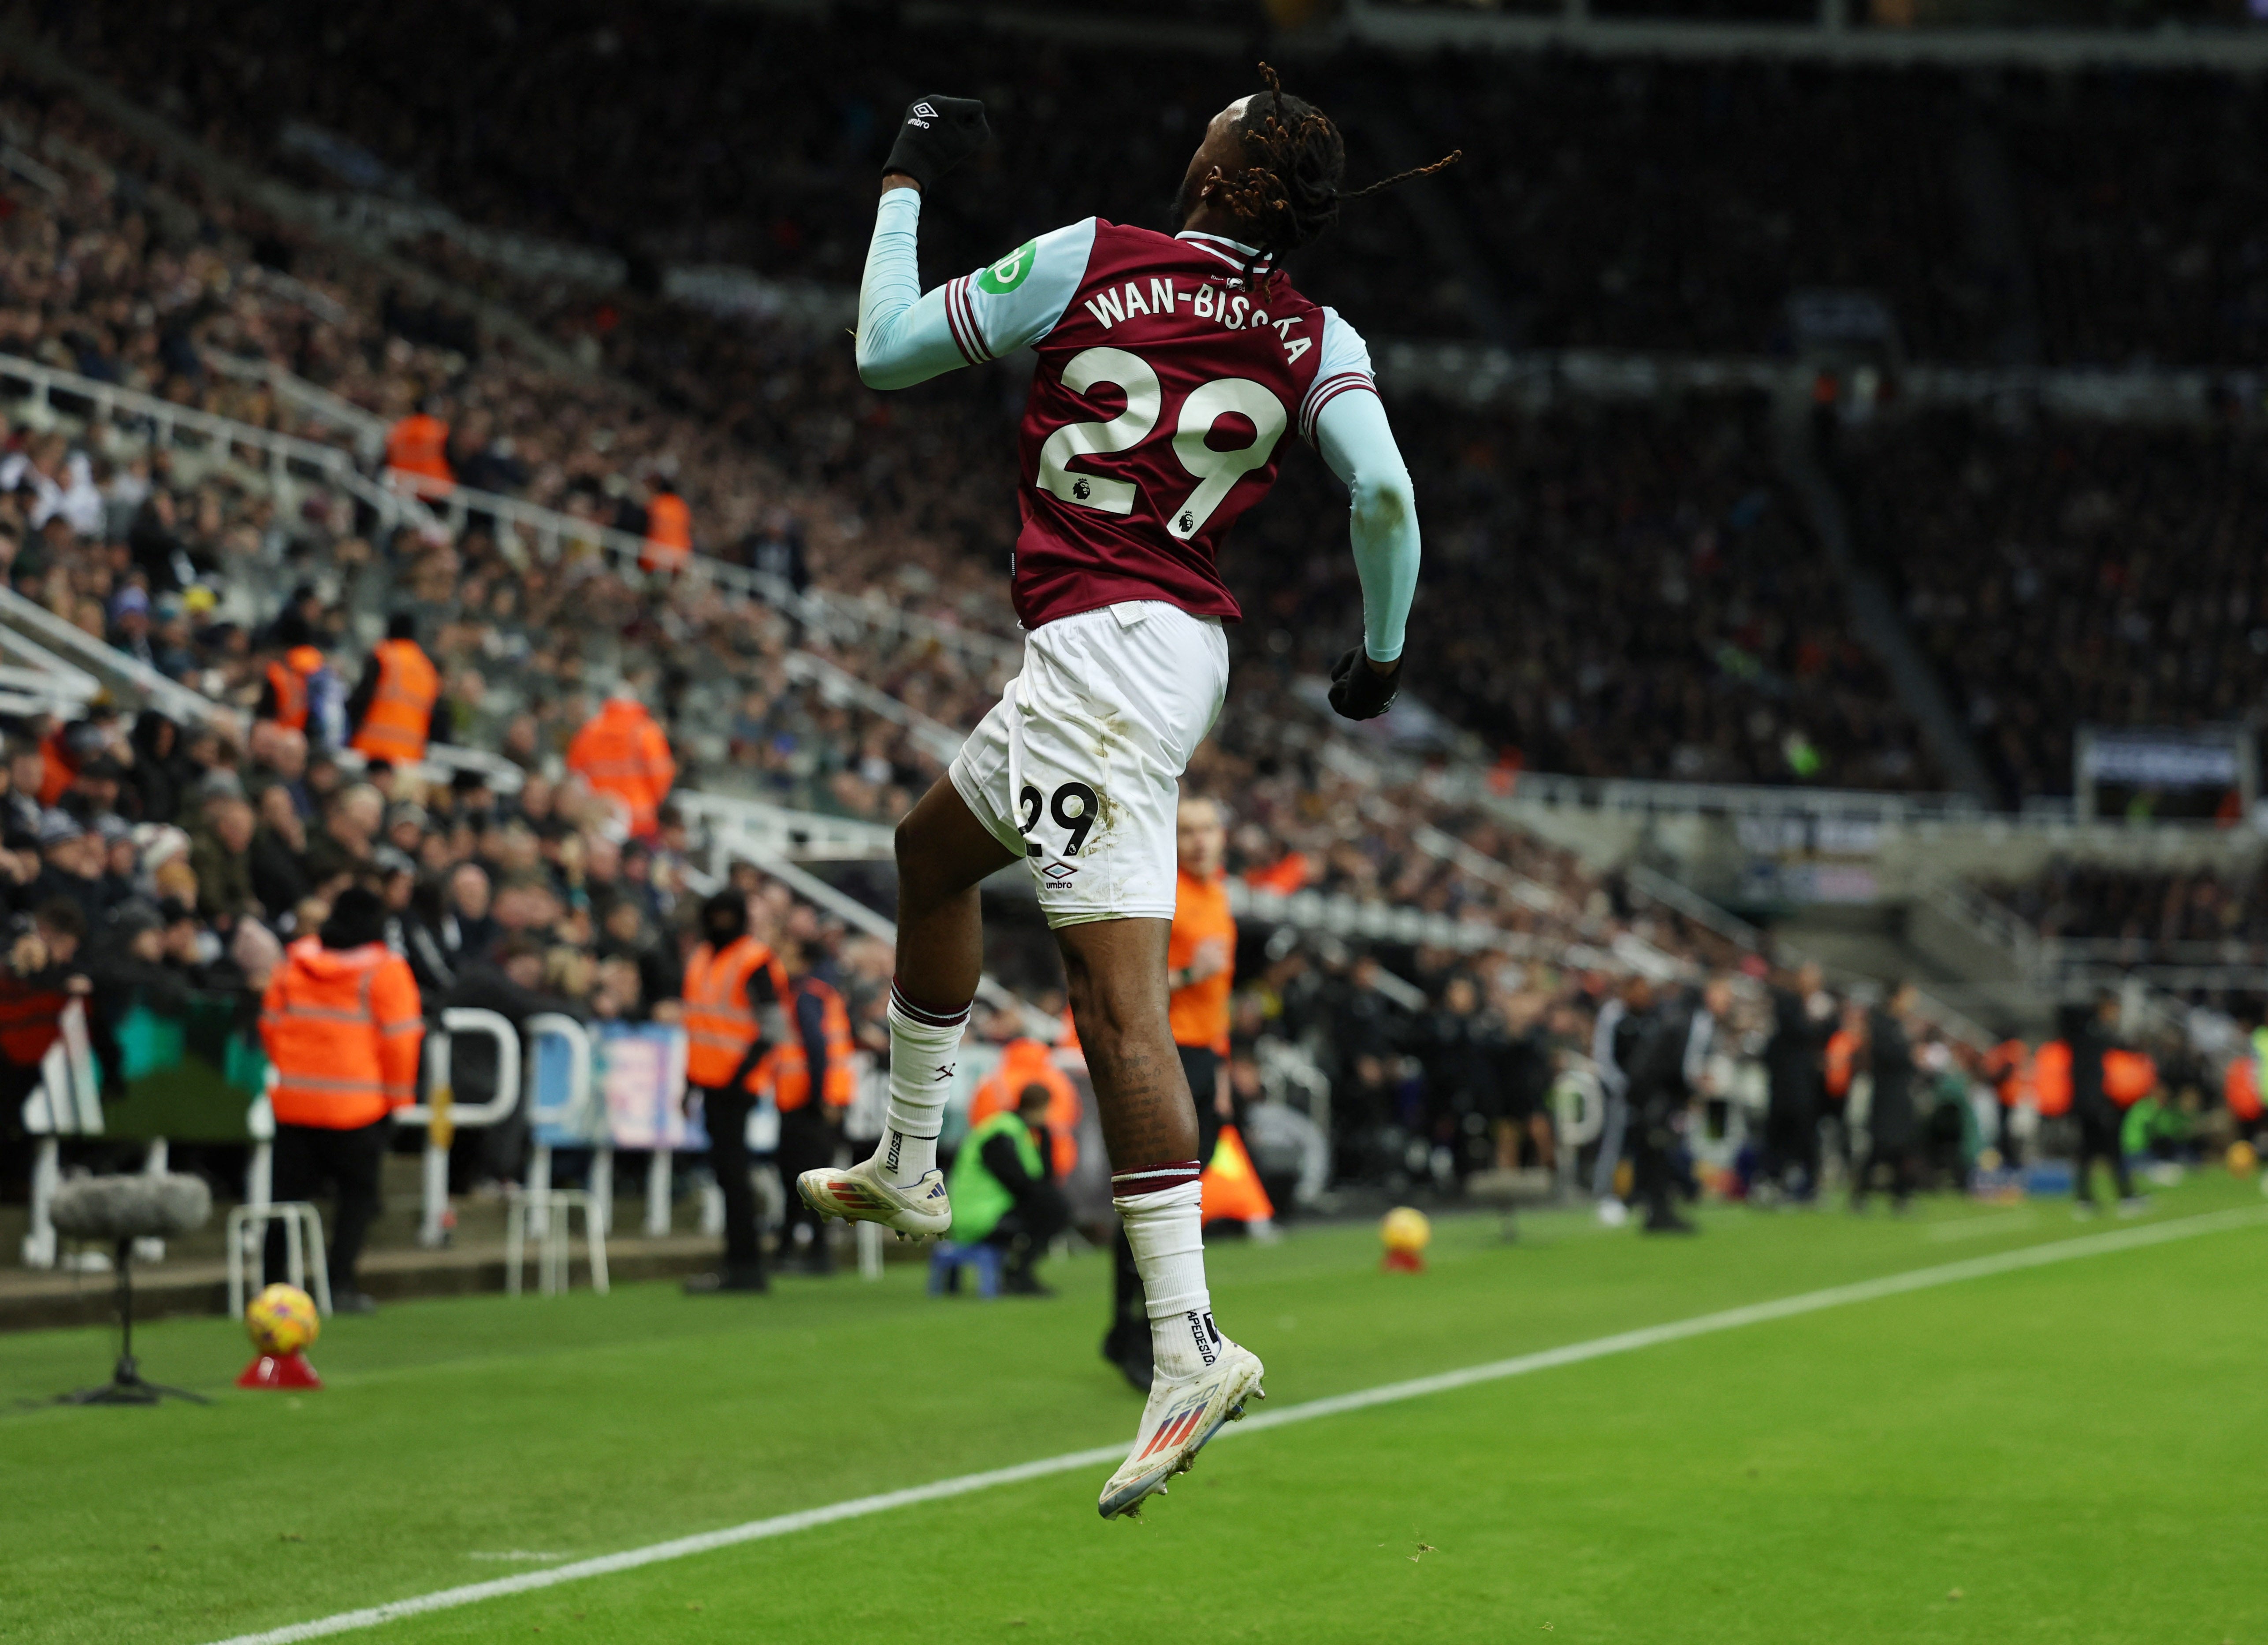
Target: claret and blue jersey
x=1170, y=368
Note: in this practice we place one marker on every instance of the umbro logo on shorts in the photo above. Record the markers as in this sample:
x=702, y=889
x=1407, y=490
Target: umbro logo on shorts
x=1058, y=873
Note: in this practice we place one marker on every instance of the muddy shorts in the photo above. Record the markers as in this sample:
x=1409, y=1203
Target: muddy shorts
x=1078, y=766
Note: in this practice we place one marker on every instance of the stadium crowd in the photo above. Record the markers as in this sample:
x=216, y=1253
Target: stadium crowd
x=1598, y=217
x=2070, y=573
x=181, y=855
x=2152, y=916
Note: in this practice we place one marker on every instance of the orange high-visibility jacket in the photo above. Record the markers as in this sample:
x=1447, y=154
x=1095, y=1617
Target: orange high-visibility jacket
x=668, y=533
x=1286, y=874
x=720, y=1025
x=2051, y=1079
x=1198, y=1014
x=1028, y=1063
x=401, y=715
x=1842, y=1052
x=622, y=753
x=2128, y=1076
x=2239, y=1088
x=418, y=455
x=343, y=1029
x=59, y=770
x=290, y=685
x=787, y=1069
x=2008, y=1065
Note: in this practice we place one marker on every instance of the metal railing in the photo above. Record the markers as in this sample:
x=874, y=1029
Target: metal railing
x=842, y=617
x=283, y=456
x=315, y=403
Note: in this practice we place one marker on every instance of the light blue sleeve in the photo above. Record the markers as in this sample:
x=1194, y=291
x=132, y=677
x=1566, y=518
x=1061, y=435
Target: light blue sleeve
x=903, y=337
x=1357, y=444
x=907, y=337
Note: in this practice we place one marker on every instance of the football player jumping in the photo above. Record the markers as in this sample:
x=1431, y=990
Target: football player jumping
x=1170, y=368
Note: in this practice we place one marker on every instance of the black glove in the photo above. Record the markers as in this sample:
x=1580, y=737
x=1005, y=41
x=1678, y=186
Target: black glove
x=939, y=134
x=1359, y=692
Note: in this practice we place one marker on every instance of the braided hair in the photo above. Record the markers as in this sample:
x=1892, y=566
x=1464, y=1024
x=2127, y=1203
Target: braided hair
x=1289, y=194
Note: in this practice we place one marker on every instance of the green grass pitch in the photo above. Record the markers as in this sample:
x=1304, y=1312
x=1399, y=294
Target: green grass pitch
x=2068, y=1453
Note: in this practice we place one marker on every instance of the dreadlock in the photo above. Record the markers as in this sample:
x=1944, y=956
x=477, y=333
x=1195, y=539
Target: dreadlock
x=1289, y=195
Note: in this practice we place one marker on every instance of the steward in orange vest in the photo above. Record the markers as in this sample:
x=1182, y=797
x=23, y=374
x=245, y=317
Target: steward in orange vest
x=342, y=1028
x=2008, y=1066
x=668, y=530
x=822, y=1036
x=1843, y=1048
x=417, y=456
x=2051, y=1079
x=810, y=1132
x=621, y=752
x=284, y=700
x=1028, y=1063
x=735, y=995
x=392, y=710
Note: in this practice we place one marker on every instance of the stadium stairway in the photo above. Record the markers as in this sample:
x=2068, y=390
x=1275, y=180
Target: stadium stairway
x=1874, y=615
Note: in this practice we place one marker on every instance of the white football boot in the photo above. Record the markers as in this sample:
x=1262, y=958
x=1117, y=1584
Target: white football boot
x=918, y=1211
x=1181, y=1416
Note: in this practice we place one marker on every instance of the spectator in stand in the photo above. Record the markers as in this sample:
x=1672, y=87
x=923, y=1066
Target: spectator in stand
x=349, y=833
x=278, y=857
x=41, y=976
x=342, y=1027
x=622, y=754
x=70, y=854
x=221, y=852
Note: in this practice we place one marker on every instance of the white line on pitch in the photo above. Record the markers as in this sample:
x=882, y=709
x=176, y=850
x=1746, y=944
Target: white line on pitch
x=1522, y=1365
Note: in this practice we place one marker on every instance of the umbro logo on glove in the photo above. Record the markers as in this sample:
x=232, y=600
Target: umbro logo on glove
x=938, y=133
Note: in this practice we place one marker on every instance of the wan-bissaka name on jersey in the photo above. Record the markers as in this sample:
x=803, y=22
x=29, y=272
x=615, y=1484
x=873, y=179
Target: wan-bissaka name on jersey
x=1167, y=381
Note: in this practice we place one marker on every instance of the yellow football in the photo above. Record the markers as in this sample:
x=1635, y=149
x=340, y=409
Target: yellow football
x=1406, y=1229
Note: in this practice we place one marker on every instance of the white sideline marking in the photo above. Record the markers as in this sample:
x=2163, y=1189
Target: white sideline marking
x=1390, y=1394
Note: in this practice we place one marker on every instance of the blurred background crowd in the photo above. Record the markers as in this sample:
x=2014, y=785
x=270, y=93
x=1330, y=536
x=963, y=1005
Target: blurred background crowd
x=773, y=586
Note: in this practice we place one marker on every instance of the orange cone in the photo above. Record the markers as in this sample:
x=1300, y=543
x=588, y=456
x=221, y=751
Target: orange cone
x=1231, y=1186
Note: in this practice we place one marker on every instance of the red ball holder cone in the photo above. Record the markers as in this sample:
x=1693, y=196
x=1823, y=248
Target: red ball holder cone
x=1403, y=1262
x=280, y=1370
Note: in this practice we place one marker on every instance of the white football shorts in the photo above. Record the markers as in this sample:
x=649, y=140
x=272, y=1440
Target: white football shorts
x=1079, y=765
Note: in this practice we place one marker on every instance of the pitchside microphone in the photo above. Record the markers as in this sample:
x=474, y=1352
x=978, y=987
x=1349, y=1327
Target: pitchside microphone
x=123, y=1209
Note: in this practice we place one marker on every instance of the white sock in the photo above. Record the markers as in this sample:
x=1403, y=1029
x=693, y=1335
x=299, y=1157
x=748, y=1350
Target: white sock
x=924, y=1046
x=1166, y=1229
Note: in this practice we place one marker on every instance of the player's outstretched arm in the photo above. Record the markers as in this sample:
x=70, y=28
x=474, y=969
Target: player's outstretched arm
x=903, y=337
x=1358, y=444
